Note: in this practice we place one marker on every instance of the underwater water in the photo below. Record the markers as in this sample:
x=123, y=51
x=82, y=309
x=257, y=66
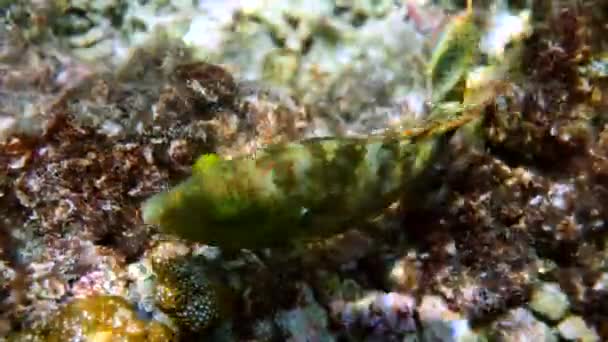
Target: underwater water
x=303, y=170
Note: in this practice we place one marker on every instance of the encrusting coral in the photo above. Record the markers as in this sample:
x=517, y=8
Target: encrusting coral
x=97, y=318
x=190, y=295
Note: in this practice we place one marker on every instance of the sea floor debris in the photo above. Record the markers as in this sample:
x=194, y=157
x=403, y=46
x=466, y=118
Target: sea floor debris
x=105, y=103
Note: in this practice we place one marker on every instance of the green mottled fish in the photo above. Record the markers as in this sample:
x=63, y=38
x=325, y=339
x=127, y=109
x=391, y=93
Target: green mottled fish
x=315, y=188
x=307, y=189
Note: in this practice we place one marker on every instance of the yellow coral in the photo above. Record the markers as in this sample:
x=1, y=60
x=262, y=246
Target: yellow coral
x=98, y=319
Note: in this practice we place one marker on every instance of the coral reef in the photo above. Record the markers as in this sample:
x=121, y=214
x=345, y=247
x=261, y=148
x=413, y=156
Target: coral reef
x=105, y=103
x=186, y=293
x=97, y=318
x=384, y=314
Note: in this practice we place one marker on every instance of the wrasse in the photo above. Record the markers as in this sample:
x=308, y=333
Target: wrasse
x=300, y=190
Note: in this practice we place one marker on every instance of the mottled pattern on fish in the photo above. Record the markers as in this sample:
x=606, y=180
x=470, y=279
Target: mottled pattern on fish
x=298, y=190
x=315, y=188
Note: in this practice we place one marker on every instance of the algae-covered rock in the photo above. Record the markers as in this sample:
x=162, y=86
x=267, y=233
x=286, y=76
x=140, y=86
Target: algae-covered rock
x=439, y=323
x=520, y=325
x=386, y=315
x=309, y=322
x=98, y=318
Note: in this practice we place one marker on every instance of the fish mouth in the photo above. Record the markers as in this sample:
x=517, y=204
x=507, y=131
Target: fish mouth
x=152, y=209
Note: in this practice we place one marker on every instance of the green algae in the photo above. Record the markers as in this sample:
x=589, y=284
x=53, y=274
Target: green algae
x=97, y=318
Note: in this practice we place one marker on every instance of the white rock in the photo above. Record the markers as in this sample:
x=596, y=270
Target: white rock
x=442, y=324
x=549, y=301
x=7, y=125
x=574, y=328
x=520, y=325
x=504, y=28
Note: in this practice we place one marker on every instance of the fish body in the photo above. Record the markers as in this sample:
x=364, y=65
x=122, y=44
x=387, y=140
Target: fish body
x=315, y=188
x=307, y=189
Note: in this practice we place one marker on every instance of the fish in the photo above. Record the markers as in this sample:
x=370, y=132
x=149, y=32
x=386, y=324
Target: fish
x=312, y=188
x=319, y=187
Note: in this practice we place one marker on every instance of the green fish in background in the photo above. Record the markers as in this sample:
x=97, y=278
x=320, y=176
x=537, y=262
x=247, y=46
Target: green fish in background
x=454, y=54
x=300, y=190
